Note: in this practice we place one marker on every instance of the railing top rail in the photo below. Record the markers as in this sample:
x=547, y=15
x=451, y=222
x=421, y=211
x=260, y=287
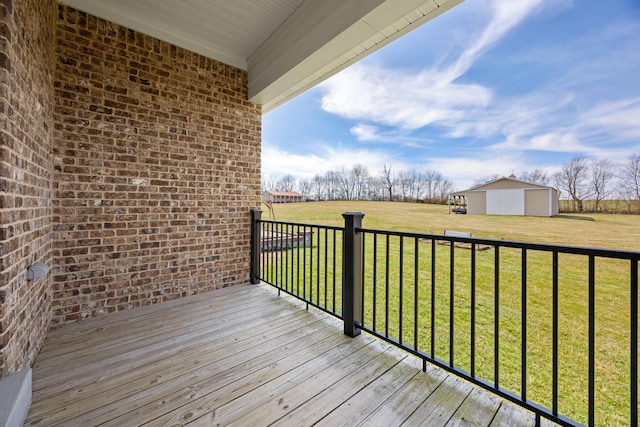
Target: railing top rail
x=575, y=250
x=328, y=227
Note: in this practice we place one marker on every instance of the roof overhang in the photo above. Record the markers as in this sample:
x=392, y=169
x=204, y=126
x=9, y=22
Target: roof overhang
x=524, y=185
x=286, y=46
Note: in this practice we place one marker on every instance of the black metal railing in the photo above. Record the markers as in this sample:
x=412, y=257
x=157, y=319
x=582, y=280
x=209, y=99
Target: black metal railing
x=551, y=328
x=302, y=260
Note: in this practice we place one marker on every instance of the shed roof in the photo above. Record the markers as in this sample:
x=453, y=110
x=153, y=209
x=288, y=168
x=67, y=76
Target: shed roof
x=484, y=187
x=283, y=193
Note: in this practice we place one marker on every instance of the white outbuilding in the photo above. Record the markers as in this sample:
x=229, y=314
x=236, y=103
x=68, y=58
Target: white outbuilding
x=509, y=196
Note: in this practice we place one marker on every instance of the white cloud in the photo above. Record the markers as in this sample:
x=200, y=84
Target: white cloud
x=396, y=98
x=515, y=118
x=601, y=132
x=554, y=141
x=369, y=133
x=278, y=162
x=620, y=118
x=365, y=132
x=505, y=15
x=412, y=100
x=464, y=171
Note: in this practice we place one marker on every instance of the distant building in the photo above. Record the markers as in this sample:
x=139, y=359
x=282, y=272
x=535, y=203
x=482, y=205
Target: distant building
x=273, y=196
x=508, y=196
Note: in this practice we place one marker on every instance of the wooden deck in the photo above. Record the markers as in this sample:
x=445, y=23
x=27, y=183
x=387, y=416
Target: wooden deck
x=243, y=356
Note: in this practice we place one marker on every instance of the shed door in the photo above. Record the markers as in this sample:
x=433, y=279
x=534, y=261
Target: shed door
x=505, y=202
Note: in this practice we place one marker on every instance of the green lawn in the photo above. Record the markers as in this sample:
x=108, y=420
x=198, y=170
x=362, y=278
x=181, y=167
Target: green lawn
x=612, y=295
x=589, y=230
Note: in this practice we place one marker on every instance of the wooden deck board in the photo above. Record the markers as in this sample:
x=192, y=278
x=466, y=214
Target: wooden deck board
x=64, y=340
x=356, y=368
x=369, y=396
x=244, y=356
x=183, y=368
x=480, y=408
x=440, y=406
x=150, y=339
x=401, y=404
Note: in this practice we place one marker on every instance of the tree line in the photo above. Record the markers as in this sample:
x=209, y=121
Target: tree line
x=357, y=183
x=578, y=181
x=582, y=180
x=596, y=181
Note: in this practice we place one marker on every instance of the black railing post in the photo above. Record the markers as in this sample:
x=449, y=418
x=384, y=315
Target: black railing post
x=352, y=273
x=256, y=215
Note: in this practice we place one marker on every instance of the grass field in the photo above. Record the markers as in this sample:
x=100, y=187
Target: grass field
x=620, y=232
x=612, y=294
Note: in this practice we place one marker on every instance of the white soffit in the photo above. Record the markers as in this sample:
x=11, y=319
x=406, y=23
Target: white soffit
x=315, y=44
x=286, y=46
x=226, y=30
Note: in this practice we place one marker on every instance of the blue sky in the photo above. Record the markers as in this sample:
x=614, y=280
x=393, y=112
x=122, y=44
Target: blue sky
x=489, y=87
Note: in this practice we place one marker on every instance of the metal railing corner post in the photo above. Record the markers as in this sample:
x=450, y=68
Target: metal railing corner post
x=352, y=273
x=256, y=215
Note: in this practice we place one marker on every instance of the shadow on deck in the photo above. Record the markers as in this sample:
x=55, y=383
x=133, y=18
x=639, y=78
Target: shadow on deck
x=245, y=356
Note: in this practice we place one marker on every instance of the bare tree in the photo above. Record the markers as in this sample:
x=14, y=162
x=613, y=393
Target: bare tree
x=269, y=183
x=359, y=177
x=357, y=184
x=345, y=184
x=629, y=186
x=319, y=187
x=406, y=181
x=432, y=180
x=377, y=188
x=574, y=179
x=305, y=187
x=332, y=181
x=536, y=176
x=419, y=189
x=287, y=183
x=601, y=177
x=389, y=180
x=442, y=190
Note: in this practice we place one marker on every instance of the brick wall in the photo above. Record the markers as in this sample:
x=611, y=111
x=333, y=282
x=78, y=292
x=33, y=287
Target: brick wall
x=156, y=165
x=27, y=29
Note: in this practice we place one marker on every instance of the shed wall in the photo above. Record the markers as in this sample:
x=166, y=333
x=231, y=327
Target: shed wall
x=555, y=202
x=511, y=197
x=537, y=202
x=476, y=203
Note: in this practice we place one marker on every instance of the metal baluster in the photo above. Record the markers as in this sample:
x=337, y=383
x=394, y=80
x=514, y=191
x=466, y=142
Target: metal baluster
x=554, y=351
x=386, y=299
x=496, y=325
x=334, y=271
x=415, y=293
x=523, y=362
x=592, y=338
x=400, y=278
x=473, y=310
x=452, y=262
x=634, y=343
x=375, y=277
x=433, y=298
x=326, y=263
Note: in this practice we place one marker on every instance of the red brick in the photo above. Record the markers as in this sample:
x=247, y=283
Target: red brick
x=141, y=149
